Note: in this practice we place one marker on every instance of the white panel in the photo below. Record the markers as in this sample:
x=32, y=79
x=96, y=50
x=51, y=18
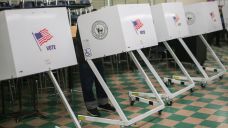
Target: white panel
x=30, y=55
x=215, y=22
x=170, y=21
x=141, y=35
x=225, y=15
x=130, y=27
x=203, y=18
x=7, y=69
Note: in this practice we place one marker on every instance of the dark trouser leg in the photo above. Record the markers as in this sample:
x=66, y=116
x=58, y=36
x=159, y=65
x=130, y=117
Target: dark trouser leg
x=86, y=77
x=101, y=95
x=217, y=35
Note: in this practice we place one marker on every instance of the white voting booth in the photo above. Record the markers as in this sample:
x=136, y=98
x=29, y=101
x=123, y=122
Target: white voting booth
x=225, y=15
x=34, y=41
x=204, y=18
x=170, y=23
x=130, y=28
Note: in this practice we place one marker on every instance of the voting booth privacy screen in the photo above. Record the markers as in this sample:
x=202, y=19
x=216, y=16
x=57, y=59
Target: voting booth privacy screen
x=225, y=15
x=34, y=41
x=169, y=20
x=130, y=27
x=203, y=18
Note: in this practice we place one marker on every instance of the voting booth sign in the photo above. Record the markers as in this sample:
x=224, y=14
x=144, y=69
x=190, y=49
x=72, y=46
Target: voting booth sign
x=169, y=20
x=203, y=18
x=225, y=15
x=130, y=28
x=34, y=41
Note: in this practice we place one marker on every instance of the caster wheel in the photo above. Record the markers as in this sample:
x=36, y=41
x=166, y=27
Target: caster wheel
x=221, y=77
x=132, y=103
x=169, y=103
x=191, y=90
x=160, y=112
x=203, y=85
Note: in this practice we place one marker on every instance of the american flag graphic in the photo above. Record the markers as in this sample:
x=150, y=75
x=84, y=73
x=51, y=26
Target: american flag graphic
x=176, y=18
x=137, y=24
x=42, y=36
x=212, y=14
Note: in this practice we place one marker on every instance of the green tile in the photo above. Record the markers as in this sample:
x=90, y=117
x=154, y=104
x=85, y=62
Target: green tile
x=223, y=98
x=183, y=101
x=184, y=125
x=213, y=106
x=192, y=108
x=154, y=120
x=205, y=100
x=24, y=126
x=171, y=110
x=211, y=124
x=200, y=115
x=221, y=113
x=48, y=125
x=72, y=125
x=216, y=93
x=197, y=94
x=159, y=126
x=177, y=117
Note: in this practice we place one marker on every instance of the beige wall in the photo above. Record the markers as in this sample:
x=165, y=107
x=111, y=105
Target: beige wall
x=187, y=1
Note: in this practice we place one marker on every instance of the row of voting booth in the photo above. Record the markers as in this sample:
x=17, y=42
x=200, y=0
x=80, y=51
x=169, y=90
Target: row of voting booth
x=31, y=43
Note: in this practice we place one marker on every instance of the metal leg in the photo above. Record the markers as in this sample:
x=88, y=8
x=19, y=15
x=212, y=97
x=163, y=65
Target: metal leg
x=106, y=89
x=193, y=58
x=212, y=52
x=124, y=121
x=64, y=100
x=167, y=91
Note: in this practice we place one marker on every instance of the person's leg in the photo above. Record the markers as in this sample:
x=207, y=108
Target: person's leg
x=86, y=77
x=217, y=36
x=101, y=95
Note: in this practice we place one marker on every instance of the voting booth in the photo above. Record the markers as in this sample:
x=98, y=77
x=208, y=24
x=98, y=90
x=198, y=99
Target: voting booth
x=130, y=28
x=126, y=31
x=225, y=15
x=34, y=41
x=170, y=23
x=203, y=18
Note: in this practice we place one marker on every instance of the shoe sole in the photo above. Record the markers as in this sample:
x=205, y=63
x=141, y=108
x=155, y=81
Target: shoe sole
x=92, y=114
x=102, y=109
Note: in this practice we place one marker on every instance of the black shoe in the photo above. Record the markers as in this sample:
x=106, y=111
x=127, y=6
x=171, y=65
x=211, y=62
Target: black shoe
x=107, y=107
x=94, y=112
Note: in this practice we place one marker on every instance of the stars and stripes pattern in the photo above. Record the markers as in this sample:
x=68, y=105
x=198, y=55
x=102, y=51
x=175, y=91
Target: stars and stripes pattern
x=137, y=24
x=42, y=36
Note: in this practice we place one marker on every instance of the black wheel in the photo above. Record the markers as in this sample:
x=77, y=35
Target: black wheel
x=191, y=90
x=169, y=103
x=160, y=112
x=221, y=77
x=132, y=102
x=203, y=85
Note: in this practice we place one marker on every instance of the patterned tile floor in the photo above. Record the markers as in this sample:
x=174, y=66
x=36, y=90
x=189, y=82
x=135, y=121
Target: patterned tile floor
x=204, y=108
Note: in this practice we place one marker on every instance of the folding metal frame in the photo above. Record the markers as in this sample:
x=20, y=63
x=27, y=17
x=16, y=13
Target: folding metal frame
x=63, y=98
x=205, y=79
x=123, y=119
x=168, y=95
